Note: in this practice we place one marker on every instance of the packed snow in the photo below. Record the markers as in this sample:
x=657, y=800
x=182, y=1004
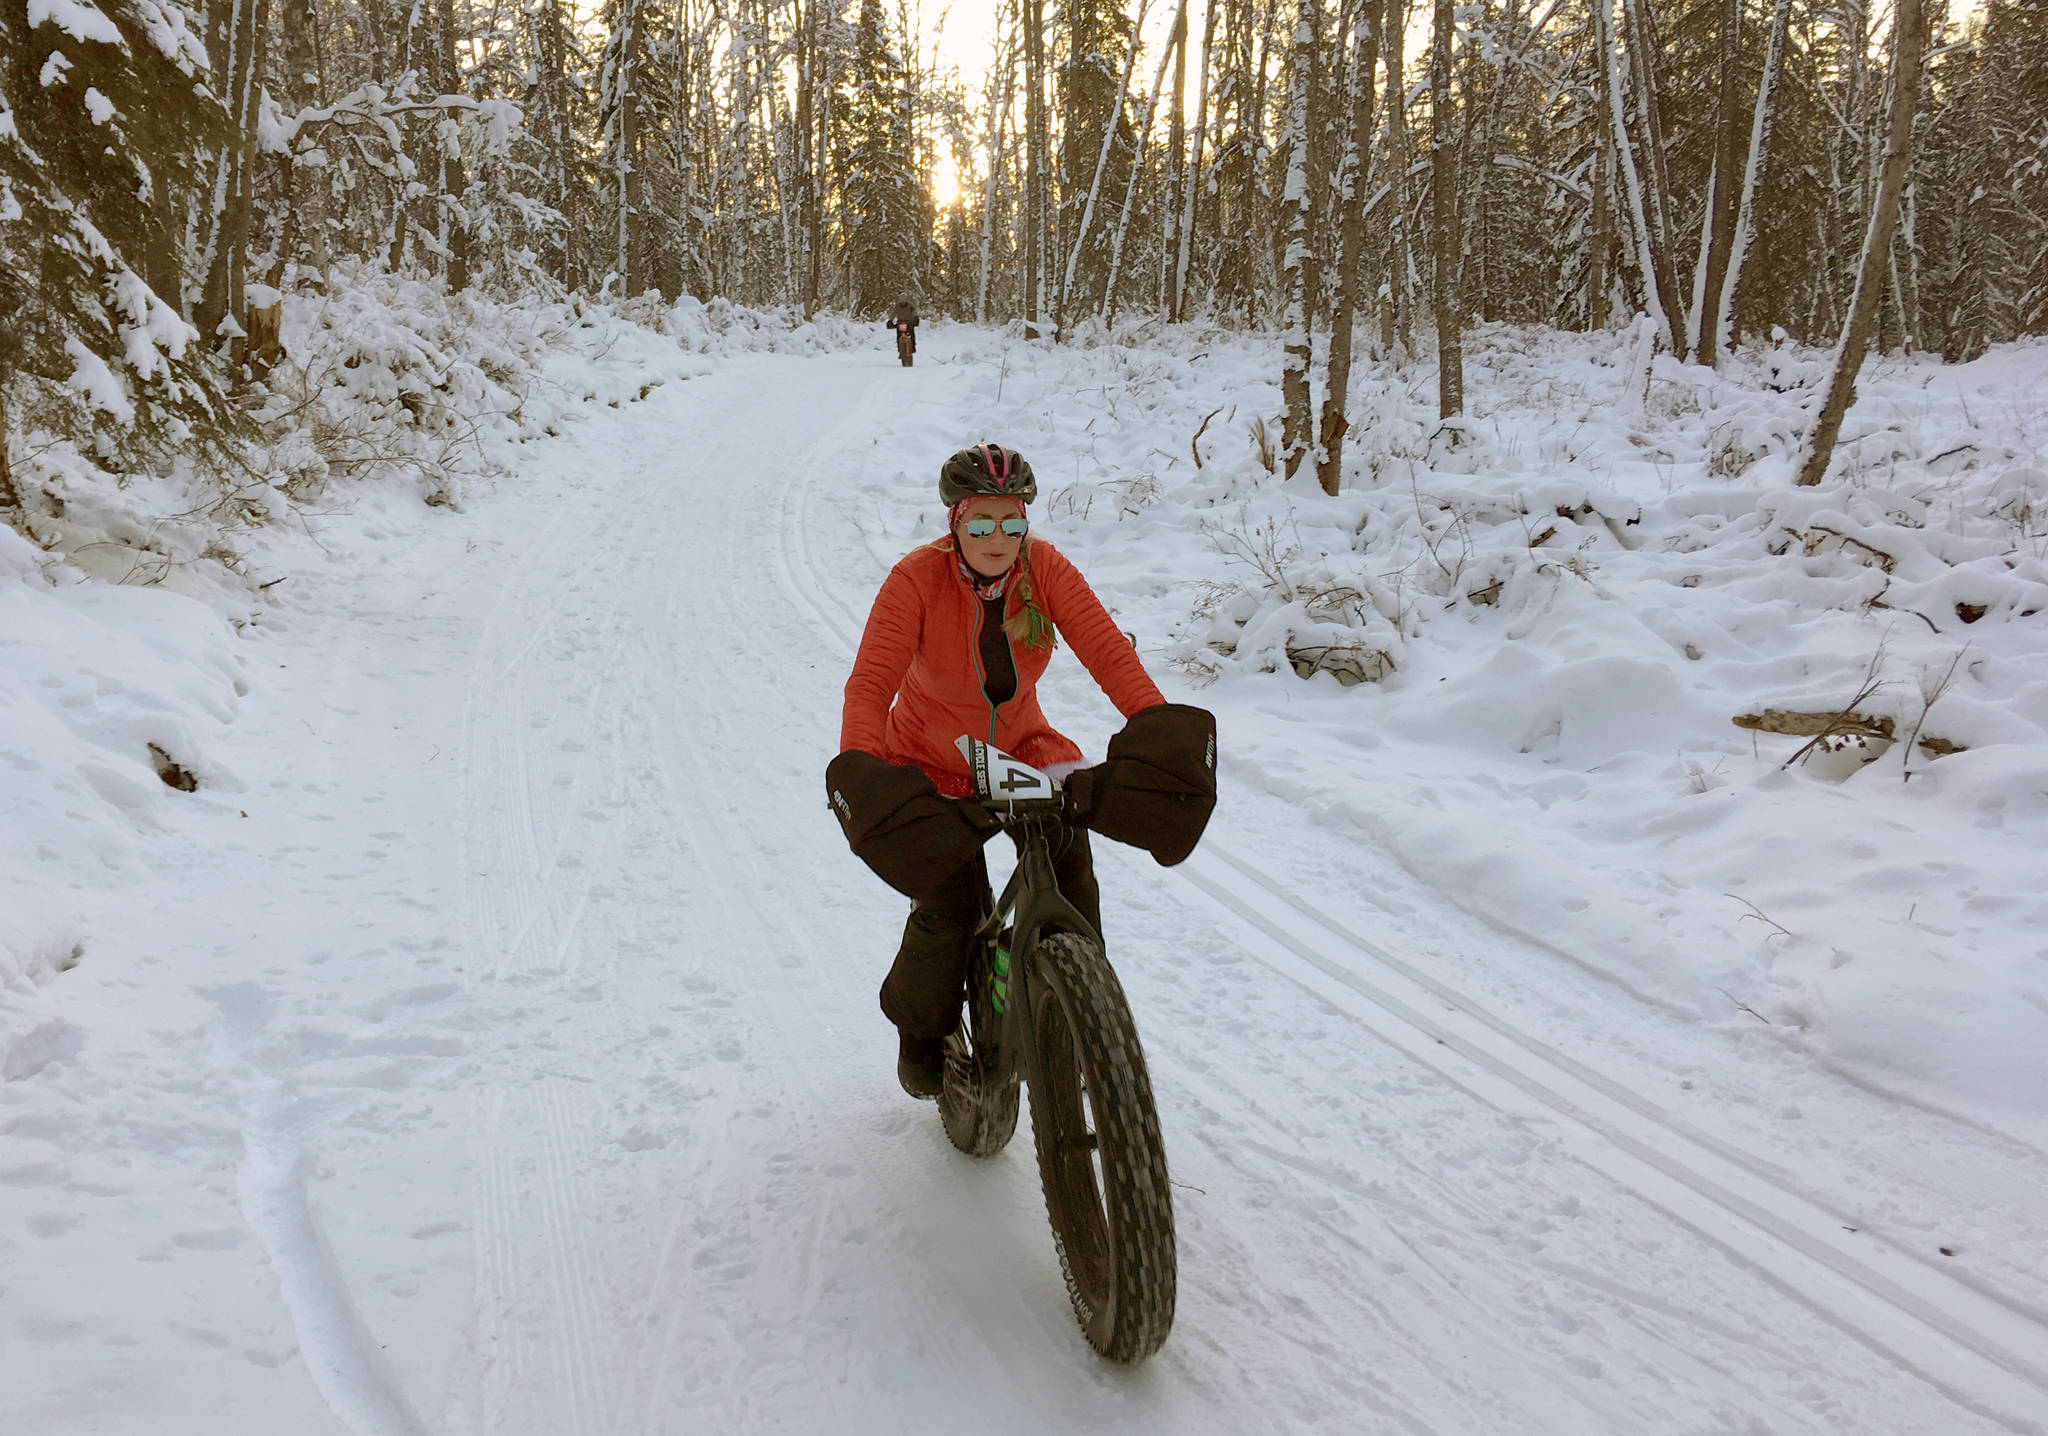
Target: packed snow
x=433, y=996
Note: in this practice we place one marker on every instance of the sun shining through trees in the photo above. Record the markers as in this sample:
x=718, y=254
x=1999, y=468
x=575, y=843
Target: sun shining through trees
x=1060, y=162
x=945, y=183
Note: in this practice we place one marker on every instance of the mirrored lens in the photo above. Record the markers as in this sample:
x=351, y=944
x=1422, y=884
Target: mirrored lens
x=984, y=528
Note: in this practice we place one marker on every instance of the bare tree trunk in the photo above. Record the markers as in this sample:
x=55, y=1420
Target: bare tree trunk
x=10, y=493
x=1036, y=199
x=632, y=255
x=405, y=17
x=1196, y=176
x=454, y=182
x=805, y=37
x=1397, y=316
x=788, y=193
x=1444, y=238
x=1087, y=220
x=1602, y=238
x=820, y=88
x=1906, y=269
x=233, y=30
x=1001, y=82
x=1752, y=177
x=1358, y=87
x=1717, y=235
x=1176, y=160
x=1647, y=264
x=1908, y=38
x=1655, y=187
x=1295, y=435
x=304, y=234
x=1123, y=223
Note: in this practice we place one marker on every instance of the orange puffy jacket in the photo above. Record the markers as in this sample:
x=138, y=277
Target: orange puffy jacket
x=921, y=653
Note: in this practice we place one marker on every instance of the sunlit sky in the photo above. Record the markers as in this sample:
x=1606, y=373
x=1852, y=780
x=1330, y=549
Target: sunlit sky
x=962, y=34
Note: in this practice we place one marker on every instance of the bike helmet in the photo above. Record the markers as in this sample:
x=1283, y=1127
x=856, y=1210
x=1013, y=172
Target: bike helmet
x=986, y=470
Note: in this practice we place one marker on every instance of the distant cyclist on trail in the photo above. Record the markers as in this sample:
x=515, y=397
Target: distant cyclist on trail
x=903, y=319
x=959, y=635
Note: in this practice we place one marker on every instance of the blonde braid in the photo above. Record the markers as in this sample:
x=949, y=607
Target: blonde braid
x=1029, y=624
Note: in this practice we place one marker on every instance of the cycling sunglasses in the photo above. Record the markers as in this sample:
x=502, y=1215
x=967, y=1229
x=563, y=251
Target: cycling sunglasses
x=985, y=528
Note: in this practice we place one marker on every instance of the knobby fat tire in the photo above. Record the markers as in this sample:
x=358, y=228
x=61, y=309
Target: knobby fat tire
x=1116, y=1247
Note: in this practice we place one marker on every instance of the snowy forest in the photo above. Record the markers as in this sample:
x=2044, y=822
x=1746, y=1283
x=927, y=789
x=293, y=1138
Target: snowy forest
x=1588, y=458
x=1359, y=170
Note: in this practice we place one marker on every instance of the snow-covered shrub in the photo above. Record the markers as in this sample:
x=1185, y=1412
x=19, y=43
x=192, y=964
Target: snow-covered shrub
x=385, y=379
x=719, y=326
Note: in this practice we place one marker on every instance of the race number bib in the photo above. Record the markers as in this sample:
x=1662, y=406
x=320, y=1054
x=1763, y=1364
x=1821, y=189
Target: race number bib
x=1000, y=778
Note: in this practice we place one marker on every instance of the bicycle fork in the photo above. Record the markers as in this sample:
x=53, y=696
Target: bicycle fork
x=1033, y=901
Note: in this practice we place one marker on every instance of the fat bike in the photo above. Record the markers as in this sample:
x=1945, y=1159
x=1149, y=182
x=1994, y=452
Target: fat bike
x=1044, y=1008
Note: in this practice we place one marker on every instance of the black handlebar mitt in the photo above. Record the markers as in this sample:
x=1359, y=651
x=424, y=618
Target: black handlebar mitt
x=898, y=824
x=1157, y=788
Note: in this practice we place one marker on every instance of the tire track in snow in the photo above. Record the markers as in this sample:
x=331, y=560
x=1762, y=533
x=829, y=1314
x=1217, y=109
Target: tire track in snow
x=565, y=1150
x=1975, y=1346
x=533, y=1262
x=612, y=663
x=698, y=1355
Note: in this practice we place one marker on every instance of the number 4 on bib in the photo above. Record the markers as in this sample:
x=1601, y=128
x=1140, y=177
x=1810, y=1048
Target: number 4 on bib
x=1000, y=778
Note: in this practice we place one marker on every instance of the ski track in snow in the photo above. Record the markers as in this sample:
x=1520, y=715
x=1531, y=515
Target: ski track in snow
x=563, y=1106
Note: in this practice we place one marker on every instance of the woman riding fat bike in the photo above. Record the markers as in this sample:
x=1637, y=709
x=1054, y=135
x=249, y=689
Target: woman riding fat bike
x=959, y=636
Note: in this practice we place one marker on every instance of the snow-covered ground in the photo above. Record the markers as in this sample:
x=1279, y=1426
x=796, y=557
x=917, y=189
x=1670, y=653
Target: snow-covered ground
x=487, y=1042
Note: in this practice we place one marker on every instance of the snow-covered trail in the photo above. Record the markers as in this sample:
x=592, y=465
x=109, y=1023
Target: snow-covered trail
x=513, y=1065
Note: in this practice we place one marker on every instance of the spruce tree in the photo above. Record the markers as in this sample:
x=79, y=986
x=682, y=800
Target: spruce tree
x=104, y=127
x=885, y=204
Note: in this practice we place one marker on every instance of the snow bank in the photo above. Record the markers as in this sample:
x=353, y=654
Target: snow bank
x=113, y=701
x=721, y=327
x=388, y=383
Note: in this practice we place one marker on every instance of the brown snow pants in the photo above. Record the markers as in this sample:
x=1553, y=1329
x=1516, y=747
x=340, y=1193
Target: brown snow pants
x=928, y=981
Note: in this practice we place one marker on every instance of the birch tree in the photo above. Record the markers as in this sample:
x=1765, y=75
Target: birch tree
x=1123, y=223
x=1197, y=176
x=1717, y=228
x=234, y=30
x=1444, y=235
x=1037, y=187
x=1762, y=119
x=1358, y=90
x=1397, y=306
x=620, y=112
x=1296, y=430
x=1908, y=37
x=1111, y=120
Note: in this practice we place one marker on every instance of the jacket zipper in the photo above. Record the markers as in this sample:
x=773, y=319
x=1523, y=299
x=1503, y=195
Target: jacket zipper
x=974, y=648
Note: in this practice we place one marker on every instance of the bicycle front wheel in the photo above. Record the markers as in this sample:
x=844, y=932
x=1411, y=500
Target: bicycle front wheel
x=1100, y=1157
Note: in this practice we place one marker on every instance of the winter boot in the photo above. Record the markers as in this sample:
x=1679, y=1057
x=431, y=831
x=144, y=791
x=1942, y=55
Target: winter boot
x=921, y=1065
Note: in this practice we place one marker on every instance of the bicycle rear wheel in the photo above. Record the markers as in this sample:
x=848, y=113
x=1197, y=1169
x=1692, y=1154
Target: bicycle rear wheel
x=1100, y=1157
x=978, y=1101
